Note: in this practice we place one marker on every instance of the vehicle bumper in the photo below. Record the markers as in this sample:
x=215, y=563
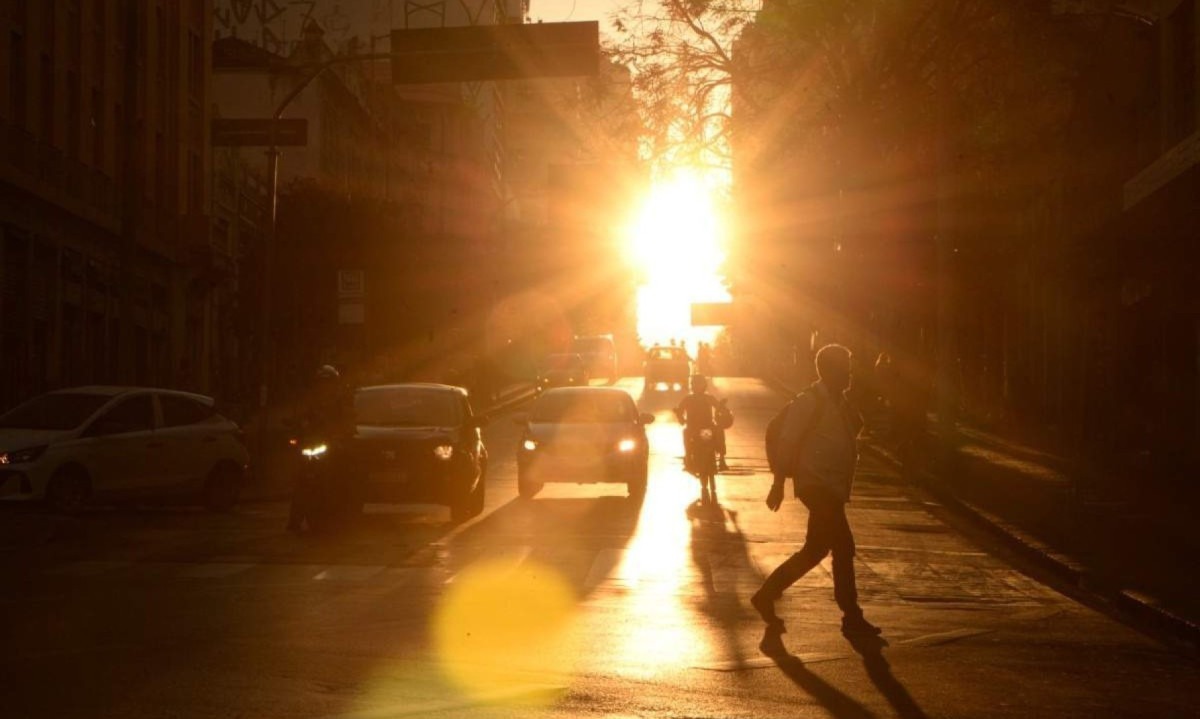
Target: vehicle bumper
x=548, y=468
x=22, y=484
x=436, y=482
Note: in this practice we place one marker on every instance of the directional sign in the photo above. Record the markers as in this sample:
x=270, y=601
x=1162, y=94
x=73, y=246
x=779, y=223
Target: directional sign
x=495, y=52
x=712, y=314
x=243, y=132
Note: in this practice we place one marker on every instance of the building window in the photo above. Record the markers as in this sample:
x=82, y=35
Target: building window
x=47, y=92
x=1181, y=26
x=97, y=127
x=100, y=40
x=17, y=90
x=73, y=128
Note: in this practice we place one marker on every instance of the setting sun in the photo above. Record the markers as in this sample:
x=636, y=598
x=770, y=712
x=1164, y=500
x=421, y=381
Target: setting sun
x=676, y=246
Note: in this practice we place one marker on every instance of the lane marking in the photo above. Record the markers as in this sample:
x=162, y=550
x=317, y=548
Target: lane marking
x=88, y=568
x=213, y=570
x=348, y=573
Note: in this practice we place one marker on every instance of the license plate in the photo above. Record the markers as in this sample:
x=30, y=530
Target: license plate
x=396, y=477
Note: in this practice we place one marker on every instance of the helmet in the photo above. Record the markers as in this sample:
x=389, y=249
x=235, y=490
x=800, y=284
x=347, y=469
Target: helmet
x=327, y=372
x=699, y=383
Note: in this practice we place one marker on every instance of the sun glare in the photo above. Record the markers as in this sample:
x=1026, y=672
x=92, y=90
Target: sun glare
x=676, y=246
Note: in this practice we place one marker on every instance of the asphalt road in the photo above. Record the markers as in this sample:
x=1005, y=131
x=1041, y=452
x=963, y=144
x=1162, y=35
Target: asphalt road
x=579, y=603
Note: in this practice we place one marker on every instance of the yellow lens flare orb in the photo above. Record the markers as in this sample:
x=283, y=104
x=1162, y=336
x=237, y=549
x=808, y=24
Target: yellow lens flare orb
x=503, y=633
x=676, y=247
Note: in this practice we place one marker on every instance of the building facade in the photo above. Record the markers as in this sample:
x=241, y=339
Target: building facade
x=108, y=269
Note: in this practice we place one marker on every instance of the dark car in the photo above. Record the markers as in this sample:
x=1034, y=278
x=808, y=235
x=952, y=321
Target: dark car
x=583, y=435
x=667, y=368
x=563, y=370
x=416, y=443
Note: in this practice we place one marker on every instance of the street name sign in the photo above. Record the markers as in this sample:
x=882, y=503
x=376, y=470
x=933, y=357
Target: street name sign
x=495, y=52
x=256, y=132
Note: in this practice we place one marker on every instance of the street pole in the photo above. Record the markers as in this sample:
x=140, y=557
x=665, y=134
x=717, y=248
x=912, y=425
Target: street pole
x=266, y=341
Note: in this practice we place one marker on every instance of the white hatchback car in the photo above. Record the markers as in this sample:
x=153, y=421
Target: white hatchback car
x=122, y=444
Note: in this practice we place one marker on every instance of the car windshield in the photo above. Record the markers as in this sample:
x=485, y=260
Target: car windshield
x=666, y=353
x=562, y=362
x=593, y=345
x=406, y=407
x=583, y=408
x=58, y=411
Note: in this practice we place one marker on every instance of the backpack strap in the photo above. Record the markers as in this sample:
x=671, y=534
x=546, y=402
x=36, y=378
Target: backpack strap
x=810, y=427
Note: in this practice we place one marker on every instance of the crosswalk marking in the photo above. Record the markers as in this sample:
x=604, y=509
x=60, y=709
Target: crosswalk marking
x=87, y=568
x=348, y=573
x=213, y=570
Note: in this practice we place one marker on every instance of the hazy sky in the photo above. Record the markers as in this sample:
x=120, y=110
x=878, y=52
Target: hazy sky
x=572, y=10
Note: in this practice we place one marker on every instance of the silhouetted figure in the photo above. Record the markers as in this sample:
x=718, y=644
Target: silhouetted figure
x=328, y=419
x=819, y=440
x=699, y=411
x=704, y=359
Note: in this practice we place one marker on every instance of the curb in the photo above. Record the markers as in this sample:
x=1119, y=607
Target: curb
x=1141, y=610
x=1137, y=607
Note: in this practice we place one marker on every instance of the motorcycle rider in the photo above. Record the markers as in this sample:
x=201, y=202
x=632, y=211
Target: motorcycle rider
x=328, y=419
x=700, y=410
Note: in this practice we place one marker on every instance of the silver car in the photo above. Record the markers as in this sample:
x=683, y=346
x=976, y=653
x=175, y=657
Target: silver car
x=122, y=444
x=583, y=435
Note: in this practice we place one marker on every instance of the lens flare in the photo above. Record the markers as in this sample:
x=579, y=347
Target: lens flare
x=502, y=627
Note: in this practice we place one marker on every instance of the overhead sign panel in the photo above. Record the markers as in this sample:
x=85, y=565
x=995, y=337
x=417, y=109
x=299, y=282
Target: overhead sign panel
x=248, y=132
x=705, y=314
x=495, y=52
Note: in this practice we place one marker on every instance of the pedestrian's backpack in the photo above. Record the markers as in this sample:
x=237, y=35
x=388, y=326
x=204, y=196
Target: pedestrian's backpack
x=776, y=454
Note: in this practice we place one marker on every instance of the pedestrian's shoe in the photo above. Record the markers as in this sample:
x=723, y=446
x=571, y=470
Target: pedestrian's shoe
x=722, y=466
x=772, y=643
x=859, y=627
x=765, y=607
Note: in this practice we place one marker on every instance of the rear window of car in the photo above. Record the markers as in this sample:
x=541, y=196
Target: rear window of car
x=592, y=345
x=180, y=411
x=563, y=361
x=583, y=408
x=666, y=353
x=407, y=407
x=58, y=411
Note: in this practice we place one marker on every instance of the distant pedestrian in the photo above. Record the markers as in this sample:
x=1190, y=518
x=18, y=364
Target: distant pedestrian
x=818, y=438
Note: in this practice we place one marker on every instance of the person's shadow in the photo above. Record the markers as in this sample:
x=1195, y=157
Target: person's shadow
x=840, y=705
x=870, y=648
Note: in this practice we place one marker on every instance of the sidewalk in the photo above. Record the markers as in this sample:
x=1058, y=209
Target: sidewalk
x=1103, y=531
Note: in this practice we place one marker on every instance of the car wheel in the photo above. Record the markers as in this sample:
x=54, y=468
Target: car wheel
x=480, y=493
x=222, y=489
x=637, y=485
x=527, y=489
x=68, y=490
x=460, y=508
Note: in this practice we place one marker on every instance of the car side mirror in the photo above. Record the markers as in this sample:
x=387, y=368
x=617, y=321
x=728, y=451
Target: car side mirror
x=646, y=418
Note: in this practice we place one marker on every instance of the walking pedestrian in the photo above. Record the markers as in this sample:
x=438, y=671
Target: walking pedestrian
x=818, y=437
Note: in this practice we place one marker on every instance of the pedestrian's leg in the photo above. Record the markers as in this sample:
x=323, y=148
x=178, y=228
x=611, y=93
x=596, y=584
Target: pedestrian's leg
x=816, y=547
x=845, y=586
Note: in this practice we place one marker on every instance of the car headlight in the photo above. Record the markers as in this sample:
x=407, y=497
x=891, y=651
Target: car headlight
x=22, y=456
x=443, y=451
x=627, y=445
x=529, y=445
x=314, y=451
